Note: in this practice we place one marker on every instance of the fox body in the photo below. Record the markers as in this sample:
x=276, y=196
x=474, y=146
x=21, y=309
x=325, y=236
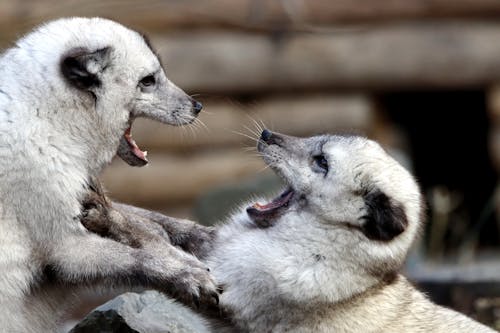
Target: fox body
x=69, y=93
x=325, y=255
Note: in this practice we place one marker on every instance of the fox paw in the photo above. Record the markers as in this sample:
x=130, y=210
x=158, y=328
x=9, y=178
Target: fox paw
x=196, y=287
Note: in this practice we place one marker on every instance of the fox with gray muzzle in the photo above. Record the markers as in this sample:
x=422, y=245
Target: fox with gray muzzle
x=324, y=256
x=69, y=93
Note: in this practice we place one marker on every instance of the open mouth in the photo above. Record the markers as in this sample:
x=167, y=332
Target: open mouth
x=130, y=152
x=134, y=147
x=264, y=214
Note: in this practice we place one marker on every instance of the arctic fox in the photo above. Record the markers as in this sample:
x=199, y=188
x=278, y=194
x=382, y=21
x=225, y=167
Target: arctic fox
x=69, y=92
x=323, y=256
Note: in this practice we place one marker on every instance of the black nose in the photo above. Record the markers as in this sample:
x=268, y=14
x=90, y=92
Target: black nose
x=197, y=106
x=266, y=136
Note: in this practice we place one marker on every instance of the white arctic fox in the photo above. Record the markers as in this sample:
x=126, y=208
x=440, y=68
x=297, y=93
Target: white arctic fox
x=69, y=92
x=325, y=255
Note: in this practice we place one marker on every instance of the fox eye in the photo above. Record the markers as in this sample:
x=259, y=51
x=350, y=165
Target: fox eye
x=321, y=162
x=147, y=81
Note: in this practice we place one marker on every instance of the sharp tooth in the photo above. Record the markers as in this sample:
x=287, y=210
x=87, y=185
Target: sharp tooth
x=145, y=153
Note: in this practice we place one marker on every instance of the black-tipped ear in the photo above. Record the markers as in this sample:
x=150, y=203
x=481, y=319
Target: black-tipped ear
x=81, y=67
x=385, y=218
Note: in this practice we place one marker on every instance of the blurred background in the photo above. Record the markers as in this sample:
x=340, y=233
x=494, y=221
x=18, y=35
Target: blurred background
x=421, y=77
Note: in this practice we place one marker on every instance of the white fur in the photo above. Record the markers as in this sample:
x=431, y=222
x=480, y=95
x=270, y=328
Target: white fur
x=53, y=137
x=313, y=269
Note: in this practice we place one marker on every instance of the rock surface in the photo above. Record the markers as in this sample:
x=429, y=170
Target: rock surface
x=147, y=312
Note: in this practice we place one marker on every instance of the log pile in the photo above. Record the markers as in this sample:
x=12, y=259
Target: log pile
x=300, y=67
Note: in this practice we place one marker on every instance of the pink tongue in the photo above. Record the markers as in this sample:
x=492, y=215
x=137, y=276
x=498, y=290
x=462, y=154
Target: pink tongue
x=270, y=205
x=273, y=204
x=135, y=149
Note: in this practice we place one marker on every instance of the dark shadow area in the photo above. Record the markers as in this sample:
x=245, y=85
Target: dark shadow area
x=447, y=134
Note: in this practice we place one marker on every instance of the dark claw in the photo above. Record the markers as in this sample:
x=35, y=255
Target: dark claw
x=216, y=297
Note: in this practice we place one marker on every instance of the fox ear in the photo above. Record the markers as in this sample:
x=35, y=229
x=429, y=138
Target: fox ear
x=82, y=67
x=385, y=218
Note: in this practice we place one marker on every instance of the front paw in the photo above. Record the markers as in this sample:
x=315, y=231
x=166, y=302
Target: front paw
x=196, y=287
x=180, y=275
x=95, y=214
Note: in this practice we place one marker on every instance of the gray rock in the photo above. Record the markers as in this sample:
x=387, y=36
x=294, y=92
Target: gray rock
x=147, y=312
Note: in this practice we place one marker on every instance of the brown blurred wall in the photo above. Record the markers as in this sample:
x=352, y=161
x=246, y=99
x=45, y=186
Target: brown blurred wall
x=300, y=67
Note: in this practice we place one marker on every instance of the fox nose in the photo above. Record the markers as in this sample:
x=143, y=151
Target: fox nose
x=266, y=136
x=197, y=106
x=271, y=138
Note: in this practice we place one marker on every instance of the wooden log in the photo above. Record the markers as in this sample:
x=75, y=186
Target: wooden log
x=228, y=123
x=16, y=16
x=389, y=57
x=172, y=179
